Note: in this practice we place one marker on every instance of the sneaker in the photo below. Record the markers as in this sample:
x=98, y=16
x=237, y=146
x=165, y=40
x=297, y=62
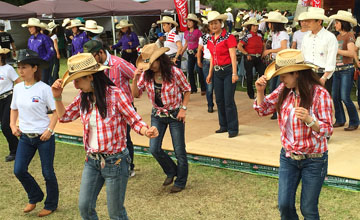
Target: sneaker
x=132, y=173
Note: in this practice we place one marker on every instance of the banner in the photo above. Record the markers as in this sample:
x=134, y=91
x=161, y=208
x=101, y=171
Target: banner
x=316, y=3
x=182, y=12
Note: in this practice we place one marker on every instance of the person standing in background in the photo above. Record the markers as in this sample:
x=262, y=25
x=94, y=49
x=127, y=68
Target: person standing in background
x=230, y=19
x=79, y=36
x=6, y=40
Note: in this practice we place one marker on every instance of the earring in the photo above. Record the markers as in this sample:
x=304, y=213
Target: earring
x=92, y=84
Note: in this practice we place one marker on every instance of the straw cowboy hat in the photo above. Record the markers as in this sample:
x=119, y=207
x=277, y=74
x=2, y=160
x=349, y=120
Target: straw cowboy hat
x=286, y=61
x=31, y=57
x=313, y=13
x=91, y=26
x=228, y=9
x=149, y=54
x=34, y=22
x=344, y=16
x=75, y=23
x=80, y=65
x=123, y=23
x=51, y=26
x=66, y=21
x=214, y=15
x=193, y=17
x=251, y=21
x=4, y=50
x=167, y=19
x=276, y=17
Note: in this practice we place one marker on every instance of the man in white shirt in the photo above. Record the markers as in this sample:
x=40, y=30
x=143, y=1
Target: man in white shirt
x=319, y=46
x=230, y=19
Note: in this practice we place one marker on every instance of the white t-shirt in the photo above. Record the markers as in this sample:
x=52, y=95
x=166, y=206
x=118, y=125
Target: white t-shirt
x=230, y=17
x=206, y=51
x=93, y=140
x=276, y=41
x=298, y=36
x=171, y=39
x=7, y=77
x=31, y=104
x=54, y=37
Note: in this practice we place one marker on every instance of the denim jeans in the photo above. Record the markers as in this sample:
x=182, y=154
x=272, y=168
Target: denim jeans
x=249, y=65
x=311, y=172
x=5, y=124
x=25, y=152
x=46, y=74
x=341, y=89
x=177, y=131
x=209, y=87
x=115, y=176
x=224, y=95
x=191, y=66
x=229, y=24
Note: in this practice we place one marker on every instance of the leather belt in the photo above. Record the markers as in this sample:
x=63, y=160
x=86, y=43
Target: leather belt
x=130, y=50
x=31, y=135
x=218, y=68
x=304, y=156
x=255, y=55
x=191, y=51
x=344, y=67
x=6, y=94
x=319, y=70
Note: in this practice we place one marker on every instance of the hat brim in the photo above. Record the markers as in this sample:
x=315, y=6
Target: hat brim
x=98, y=30
x=282, y=21
x=77, y=25
x=193, y=19
x=4, y=51
x=140, y=64
x=118, y=26
x=33, y=25
x=170, y=22
x=68, y=78
x=35, y=61
x=66, y=23
x=271, y=71
x=219, y=17
x=246, y=24
x=309, y=16
x=343, y=18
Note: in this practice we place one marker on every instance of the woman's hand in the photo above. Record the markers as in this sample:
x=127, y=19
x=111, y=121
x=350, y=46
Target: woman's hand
x=181, y=115
x=174, y=60
x=152, y=132
x=260, y=84
x=208, y=79
x=58, y=56
x=15, y=130
x=199, y=63
x=45, y=136
x=303, y=114
x=234, y=78
x=56, y=88
x=138, y=73
x=265, y=53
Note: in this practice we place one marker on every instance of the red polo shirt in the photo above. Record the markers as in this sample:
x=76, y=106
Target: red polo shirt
x=253, y=43
x=219, y=48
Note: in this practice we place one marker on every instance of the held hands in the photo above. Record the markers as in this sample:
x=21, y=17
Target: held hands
x=181, y=115
x=152, y=132
x=56, y=88
x=260, y=84
x=45, y=136
x=303, y=114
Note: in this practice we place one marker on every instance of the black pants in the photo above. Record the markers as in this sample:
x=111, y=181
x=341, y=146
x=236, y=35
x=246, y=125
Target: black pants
x=328, y=83
x=130, y=57
x=192, y=65
x=5, y=124
x=259, y=67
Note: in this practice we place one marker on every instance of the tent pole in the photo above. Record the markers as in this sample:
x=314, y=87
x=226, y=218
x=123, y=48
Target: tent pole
x=113, y=31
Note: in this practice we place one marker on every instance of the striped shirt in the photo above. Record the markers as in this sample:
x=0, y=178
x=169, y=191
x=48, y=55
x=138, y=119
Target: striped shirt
x=299, y=138
x=171, y=39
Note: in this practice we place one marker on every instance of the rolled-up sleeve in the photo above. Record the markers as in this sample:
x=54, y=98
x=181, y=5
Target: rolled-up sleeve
x=324, y=115
x=268, y=105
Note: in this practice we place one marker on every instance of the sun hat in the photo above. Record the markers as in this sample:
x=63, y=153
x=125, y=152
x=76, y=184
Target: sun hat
x=75, y=23
x=91, y=26
x=66, y=21
x=123, y=23
x=228, y=9
x=193, y=17
x=167, y=19
x=33, y=22
x=31, y=57
x=276, y=17
x=4, y=50
x=92, y=46
x=214, y=15
x=344, y=16
x=149, y=54
x=313, y=13
x=286, y=61
x=51, y=26
x=251, y=21
x=79, y=65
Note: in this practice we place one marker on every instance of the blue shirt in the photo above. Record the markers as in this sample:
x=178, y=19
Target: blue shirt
x=43, y=45
x=124, y=42
x=78, y=42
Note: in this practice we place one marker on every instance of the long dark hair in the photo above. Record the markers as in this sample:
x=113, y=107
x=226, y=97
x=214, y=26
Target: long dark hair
x=3, y=59
x=128, y=32
x=306, y=81
x=100, y=82
x=165, y=68
x=277, y=27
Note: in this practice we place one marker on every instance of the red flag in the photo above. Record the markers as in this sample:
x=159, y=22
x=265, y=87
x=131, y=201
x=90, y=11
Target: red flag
x=182, y=11
x=316, y=3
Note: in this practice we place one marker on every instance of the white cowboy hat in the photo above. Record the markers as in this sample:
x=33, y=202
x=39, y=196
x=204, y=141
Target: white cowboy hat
x=251, y=21
x=204, y=21
x=344, y=16
x=65, y=22
x=123, y=23
x=214, y=15
x=75, y=23
x=51, y=26
x=228, y=9
x=44, y=25
x=167, y=19
x=34, y=22
x=193, y=17
x=149, y=54
x=246, y=17
x=80, y=65
x=276, y=17
x=313, y=13
x=286, y=61
x=91, y=26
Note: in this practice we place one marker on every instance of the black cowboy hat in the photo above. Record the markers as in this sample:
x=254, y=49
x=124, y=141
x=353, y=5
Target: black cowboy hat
x=31, y=57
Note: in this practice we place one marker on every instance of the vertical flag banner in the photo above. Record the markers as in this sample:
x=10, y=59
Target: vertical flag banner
x=182, y=11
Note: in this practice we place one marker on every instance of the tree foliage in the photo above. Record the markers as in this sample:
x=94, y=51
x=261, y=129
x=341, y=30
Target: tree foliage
x=257, y=4
x=218, y=5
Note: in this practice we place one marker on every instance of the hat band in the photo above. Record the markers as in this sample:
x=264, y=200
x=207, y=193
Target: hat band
x=277, y=66
x=96, y=67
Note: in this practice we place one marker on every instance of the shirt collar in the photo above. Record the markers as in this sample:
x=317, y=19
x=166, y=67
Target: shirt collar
x=108, y=59
x=318, y=33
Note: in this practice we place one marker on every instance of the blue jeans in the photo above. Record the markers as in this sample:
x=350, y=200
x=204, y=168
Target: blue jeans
x=312, y=173
x=177, y=131
x=209, y=87
x=25, y=152
x=229, y=24
x=341, y=89
x=224, y=95
x=115, y=176
x=191, y=66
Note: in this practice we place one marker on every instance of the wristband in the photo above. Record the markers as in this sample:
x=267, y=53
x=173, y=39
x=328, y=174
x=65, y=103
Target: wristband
x=51, y=131
x=58, y=98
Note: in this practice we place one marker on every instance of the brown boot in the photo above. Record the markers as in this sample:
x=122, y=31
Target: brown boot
x=175, y=189
x=168, y=181
x=45, y=212
x=29, y=207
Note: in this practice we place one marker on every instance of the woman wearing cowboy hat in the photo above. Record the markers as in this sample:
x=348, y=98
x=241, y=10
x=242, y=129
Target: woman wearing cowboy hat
x=169, y=92
x=8, y=77
x=79, y=36
x=305, y=120
x=30, y=102
x=55, y=61
x=93, y=30
x=128, y=42
x=223, y=68
x=173, y=41
x=343, y=76
x=104, y=110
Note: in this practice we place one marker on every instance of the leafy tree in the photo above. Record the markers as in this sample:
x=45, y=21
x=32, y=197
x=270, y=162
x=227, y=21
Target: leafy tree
x=218, y=5
x=257, y=4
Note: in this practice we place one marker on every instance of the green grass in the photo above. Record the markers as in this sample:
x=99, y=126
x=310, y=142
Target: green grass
x=282, y=6
x=211, y=193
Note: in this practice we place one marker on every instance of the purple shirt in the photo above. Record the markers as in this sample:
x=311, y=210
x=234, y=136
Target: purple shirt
x=78, y=42
x=192, y=38
x=124, y=42
x=43, y=45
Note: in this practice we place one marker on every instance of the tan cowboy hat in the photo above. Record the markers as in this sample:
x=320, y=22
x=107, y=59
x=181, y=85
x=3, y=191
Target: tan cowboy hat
x=80, y=65
x=75, y=23
x=313, y=13
x=228, y=9
x=344, y=16
x=276, y=17
x=4, y=50
x=193, y=17
x=123, y=23
x=149, y=54
x=51, y=26
x=34, y=22
x=251, y=21
x=66, y=21
x=214, y=15
x=167, y=19
x=91, y=26
x=287, y=61
x=44, y=25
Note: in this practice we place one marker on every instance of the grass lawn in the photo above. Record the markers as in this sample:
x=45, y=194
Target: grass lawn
x=282, y=6
x=211, y=193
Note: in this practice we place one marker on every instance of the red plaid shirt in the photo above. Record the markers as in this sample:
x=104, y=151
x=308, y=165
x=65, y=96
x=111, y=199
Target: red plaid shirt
x=305, y=140
x=111, y=131
x=120, y=73
x=171, y=93
x=219, y=48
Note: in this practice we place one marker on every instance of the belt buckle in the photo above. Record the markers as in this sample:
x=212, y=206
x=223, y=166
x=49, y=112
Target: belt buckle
x=191, y=51
x=128, y=50
x=32, y=135
x=217, y=68
x=257, y=55
x=297, y=156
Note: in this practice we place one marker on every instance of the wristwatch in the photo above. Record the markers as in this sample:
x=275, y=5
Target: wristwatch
x=183, y=107
x=311, y=123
